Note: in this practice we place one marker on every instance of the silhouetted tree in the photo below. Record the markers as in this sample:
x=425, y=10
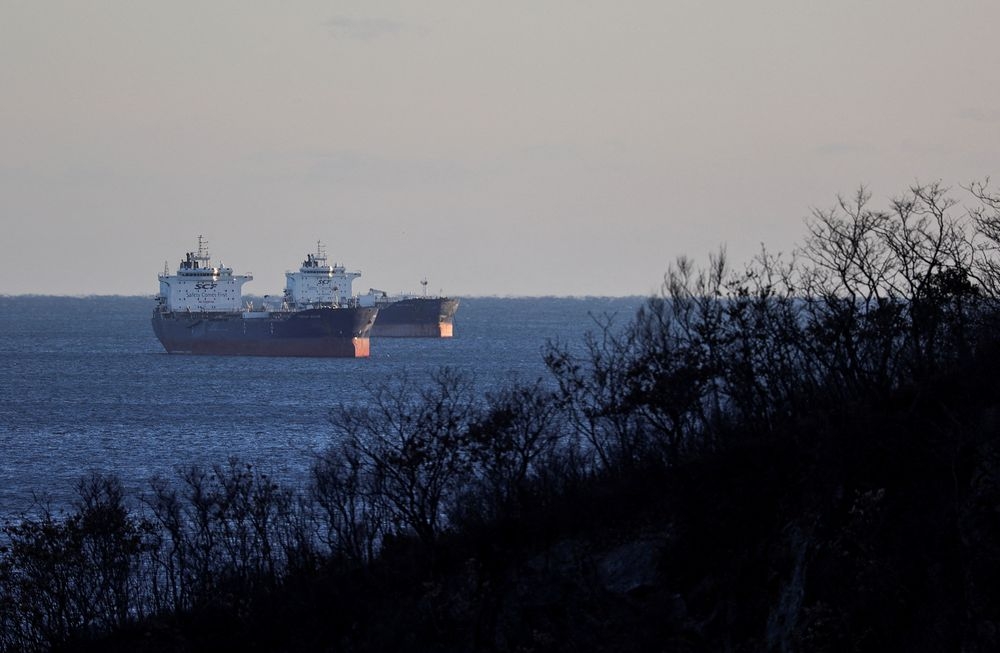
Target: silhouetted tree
x=353, y=516
x=510, y=441
x=76, y=575
x=413, y=445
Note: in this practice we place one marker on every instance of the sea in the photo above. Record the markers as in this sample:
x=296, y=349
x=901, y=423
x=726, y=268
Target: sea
x=85, y=387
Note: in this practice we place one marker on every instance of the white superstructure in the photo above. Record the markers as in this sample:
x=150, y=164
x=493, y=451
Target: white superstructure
x=200, y=286
x=317, y=283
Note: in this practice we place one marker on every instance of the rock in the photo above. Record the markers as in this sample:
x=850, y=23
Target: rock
x=630, y=567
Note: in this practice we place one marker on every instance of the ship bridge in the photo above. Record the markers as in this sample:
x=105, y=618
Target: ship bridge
x=319, y=283
x=199, y=286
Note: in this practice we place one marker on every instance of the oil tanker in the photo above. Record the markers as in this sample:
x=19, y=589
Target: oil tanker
x=399, y=316
x=413, y=316
x=200, y=310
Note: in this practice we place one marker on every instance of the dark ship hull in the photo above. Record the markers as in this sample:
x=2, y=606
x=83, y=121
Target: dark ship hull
x=416, y=317
x=318, y=332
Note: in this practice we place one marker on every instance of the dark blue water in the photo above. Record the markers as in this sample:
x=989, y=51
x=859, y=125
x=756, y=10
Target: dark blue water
x=85, y=387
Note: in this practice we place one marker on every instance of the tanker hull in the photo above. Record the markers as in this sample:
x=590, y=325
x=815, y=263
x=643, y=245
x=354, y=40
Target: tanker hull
x=321, y=332
x=416, y=317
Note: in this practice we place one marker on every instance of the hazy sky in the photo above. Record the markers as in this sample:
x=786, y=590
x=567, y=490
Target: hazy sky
x=509, y=148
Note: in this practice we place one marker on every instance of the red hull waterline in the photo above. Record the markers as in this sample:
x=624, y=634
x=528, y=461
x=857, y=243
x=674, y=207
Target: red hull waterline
x=439, y=330
x=311, y=348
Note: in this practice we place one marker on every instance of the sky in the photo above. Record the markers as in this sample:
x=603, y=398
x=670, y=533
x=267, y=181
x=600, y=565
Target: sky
x=551, y=147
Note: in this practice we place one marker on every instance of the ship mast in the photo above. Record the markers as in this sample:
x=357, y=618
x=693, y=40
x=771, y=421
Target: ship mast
x=423, y=282
x=203, y=256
